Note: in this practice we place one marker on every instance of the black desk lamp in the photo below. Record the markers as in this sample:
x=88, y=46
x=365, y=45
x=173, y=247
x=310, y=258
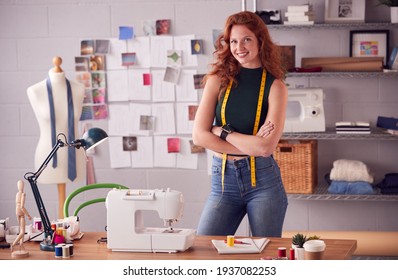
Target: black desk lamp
x=91, y=138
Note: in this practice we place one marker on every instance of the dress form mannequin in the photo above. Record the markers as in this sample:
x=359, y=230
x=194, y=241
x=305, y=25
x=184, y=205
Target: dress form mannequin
x=38, y=97
x=20, y=212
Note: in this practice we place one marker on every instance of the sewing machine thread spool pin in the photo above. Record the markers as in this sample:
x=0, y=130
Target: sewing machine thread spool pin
x=168, y=224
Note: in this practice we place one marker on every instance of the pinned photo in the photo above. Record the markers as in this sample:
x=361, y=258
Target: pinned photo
x=147, y=122
x=147, y=80
x=216, y=33
x=98, y=80
x=195, y=149
x=99, y=96
x=129, y=143
x=87, y=113
x=82, y=64
x=126, y=32
x=197, y=47
x=197, y=79
x=172, y=75
x=149, y=27
x=97, y=63
x=101, y=46
x=100, y=112
x=192, y=112
x=173, y=145
x=87, y=47
x=88, y=96
x=84, y=78
x=174, y=58
x=128, y=59
x=162, y=26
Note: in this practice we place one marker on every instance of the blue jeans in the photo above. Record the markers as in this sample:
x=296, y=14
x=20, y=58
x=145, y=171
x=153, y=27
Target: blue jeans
x=265, y=204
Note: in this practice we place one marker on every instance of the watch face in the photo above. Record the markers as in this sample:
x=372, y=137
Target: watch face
x=227, y=128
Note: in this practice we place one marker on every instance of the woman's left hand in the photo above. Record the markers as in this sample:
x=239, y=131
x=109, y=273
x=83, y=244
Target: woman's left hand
x=265, y=129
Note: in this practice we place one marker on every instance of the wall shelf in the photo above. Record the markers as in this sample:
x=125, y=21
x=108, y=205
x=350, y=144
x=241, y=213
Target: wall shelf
x=321, y=193
x=348, y=75
x=368, y=25
x=330, y=134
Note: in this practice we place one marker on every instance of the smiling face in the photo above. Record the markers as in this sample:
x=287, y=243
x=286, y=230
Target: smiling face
x=244, y=46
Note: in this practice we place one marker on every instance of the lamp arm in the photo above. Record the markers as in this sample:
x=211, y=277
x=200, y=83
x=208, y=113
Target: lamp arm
x=32, y=179
x=48, y=231
x=49, y=157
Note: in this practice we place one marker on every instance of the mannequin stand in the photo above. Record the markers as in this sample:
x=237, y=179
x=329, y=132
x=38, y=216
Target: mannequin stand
x=61, y=199
x=19, y=254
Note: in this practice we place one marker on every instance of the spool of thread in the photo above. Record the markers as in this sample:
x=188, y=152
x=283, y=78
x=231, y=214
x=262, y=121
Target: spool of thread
x=58, y=251
x=65, y=252
x=58, y=239
x=70, y=249
x=230, y=240
x=37, y=224
x=282, y=252
x=292, y=257
x=58, y=231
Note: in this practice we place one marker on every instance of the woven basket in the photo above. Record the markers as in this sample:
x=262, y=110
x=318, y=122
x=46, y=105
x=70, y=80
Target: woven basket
x=298, y=162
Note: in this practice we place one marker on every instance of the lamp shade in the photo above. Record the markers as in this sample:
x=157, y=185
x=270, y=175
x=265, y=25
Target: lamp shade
x=93, y=137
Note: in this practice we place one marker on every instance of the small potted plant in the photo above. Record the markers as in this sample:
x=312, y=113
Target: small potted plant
x=298, y=241
x=313, y=237
x=393, y=4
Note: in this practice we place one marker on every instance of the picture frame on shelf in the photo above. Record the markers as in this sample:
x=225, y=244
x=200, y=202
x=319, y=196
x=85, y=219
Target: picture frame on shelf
x=344, y=11
x=369, y=43
x=288, y=54
x=393, y=60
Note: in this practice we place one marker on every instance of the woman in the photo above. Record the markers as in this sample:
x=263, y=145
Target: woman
x=245, y=95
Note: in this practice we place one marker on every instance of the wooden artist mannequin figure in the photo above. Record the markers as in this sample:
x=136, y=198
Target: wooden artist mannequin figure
x=51, y=123
x=20, y=212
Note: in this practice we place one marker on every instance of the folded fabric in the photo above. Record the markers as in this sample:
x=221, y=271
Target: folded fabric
x=392, y=190
x=343, y=187
x=390, y=181
x=350, y=171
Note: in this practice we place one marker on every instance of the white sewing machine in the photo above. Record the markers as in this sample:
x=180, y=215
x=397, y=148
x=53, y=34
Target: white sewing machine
x=125, y=225
x=304, y=112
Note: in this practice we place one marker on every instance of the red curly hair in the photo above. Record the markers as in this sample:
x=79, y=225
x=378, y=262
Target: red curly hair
x=227, y=67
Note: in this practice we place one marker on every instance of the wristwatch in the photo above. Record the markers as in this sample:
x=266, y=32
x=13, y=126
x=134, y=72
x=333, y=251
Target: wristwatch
x=226, y=129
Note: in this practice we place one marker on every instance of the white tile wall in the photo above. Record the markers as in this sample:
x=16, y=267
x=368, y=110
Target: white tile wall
x=33, y=32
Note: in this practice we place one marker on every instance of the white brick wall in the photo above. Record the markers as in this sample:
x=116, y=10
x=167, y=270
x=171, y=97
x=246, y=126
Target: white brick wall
x=33, y=32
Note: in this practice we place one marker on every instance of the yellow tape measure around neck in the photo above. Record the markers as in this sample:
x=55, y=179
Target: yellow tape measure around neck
x=255, y=128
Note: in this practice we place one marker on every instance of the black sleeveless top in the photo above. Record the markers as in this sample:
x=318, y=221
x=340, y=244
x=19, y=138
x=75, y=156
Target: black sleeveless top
x=240, y=111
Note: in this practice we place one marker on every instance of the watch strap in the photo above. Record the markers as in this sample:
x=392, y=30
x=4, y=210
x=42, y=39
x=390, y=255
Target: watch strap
x=223, y=135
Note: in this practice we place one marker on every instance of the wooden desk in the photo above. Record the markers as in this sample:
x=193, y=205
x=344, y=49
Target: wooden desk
x=87, y=248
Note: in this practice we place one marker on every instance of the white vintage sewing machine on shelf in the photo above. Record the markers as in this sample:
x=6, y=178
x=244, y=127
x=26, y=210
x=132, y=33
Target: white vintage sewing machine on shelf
x=304, y=111
x=125, y=224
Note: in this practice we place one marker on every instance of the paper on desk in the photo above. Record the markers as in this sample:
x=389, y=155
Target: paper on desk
x=257, y=246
